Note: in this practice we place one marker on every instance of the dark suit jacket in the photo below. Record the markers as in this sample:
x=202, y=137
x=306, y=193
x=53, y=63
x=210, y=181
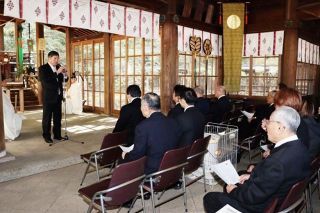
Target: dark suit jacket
x=191, y=123
x=51, y=84
x=153, y=137
x=203, y=104
x=314, y=135
x=274, y=176
x=220, y=108
x=130, y=117
x=175, y=111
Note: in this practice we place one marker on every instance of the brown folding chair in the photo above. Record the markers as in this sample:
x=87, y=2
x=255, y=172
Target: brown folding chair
x=106, y=156
x=113, y=192
x=315, y=176
x=272, y=206
x=170, y=172
x=294, y=198
x=195, y=160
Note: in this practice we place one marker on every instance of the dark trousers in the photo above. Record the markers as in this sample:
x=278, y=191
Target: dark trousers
x=51, y=110
x=213, y=201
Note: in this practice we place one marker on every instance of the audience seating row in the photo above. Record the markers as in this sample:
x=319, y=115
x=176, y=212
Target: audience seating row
x=123, y=186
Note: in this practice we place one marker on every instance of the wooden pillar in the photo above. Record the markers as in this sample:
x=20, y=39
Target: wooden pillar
x=290, y=50
x=107, y=74
x=40, y=53
x=169, y=57
x=69, y=35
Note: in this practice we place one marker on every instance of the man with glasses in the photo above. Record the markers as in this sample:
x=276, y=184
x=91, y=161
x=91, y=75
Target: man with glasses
x=288, y=163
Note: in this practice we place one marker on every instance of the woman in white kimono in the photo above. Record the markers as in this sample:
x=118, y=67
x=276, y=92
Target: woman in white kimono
x=74, y=97
x=12, y=121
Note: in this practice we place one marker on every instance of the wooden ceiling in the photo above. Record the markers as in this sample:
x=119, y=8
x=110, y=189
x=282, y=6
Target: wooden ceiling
x=204, y=13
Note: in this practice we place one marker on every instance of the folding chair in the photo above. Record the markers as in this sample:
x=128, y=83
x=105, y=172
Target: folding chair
x=115, y=191
x=272, y=206
x=315, y=176
x=170, y=172
x=195, y=159
x=294, y=198
x=107, y=156
x=250, y=144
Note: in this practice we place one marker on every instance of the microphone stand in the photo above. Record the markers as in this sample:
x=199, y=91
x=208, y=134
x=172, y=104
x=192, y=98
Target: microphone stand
x=64, y=99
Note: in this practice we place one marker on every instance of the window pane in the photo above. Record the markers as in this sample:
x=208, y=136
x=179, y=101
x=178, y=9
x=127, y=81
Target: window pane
x=148, y=65
x=130, y=80
x=202, y=66
x=147, y=84
x=137, y=65
x=130, y=65
x=96, y=50
x=189, y=64
x=89, y=51
x=116, y=84
x=148, y=46
x=116, y=47
x=156, y=46
x=96, y=67
x=137, y=81
x=101, y=50
x=116, y=101
x=123, y=66
x=138, y=46
x=156, y=65
x=130, y=46
x=102, y=100
x=123, y=47
x=101, y=71
x=156, y=84
x=116, y=66
x=97, y=83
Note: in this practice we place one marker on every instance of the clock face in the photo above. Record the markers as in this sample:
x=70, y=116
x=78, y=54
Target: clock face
x=233, y=22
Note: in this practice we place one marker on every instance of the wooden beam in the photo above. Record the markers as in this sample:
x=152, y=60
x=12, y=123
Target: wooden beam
x=209, y=15
x=187, y=22
x=39, y=34
x=187, y=8
x=199, y=10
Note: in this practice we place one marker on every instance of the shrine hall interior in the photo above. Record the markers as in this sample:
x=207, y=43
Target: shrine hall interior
x=279, y=42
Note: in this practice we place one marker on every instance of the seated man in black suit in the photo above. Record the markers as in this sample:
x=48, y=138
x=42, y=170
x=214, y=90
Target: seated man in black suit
x=202, y=103
x=222, y=106
x=130, y=114
x=288, y=163
x=176, y=96
x=153, y=136
x=263, y=112
x=192, y=121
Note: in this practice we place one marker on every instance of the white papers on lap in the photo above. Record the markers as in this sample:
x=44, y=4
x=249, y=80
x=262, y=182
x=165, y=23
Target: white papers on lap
x=226, y=172
x=247, y=114
x=264, y=147
x=228, y=209
x=127, y=149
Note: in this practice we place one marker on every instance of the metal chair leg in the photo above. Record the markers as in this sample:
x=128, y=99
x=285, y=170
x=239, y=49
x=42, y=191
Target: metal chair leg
x=184, y=192
x=102, y=204
x=142, y=199
x=97, y=168
x=85, y=174
x=152, y=197
x=204, y=177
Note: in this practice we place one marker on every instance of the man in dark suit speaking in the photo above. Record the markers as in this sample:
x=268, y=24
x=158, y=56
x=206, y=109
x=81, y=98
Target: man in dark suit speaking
x=153, y=136
x=288, y=163
x=52, y=75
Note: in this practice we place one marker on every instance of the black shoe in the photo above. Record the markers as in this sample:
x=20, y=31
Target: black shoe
x=178, y=185
x=48, y=140
x=147, y=196
x=60, y=138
